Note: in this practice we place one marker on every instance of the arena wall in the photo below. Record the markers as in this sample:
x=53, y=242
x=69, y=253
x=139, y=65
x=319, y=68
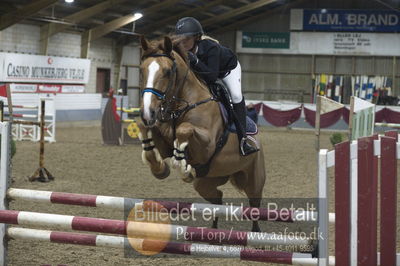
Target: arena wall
x=285, y=77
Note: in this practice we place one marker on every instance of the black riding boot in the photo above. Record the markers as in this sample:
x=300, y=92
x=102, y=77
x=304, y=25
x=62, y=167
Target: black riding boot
x=240, y=122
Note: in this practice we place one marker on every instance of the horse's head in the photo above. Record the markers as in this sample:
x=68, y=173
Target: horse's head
x=158, y=70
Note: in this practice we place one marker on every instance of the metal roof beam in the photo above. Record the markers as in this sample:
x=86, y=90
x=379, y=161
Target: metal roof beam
x=50, y=29
x=173, y=19
x=237, y=11
x=157, y=7
x=81, y=15
x=99, y=31
x=102, y=30
x=233, y=26
x=7, y=7
x=16, y=16
x=95, y=33
x=244, y=1
x=209, y=14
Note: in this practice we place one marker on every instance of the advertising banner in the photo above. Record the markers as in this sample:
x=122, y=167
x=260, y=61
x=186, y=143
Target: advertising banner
x=331, y=43
x=43, y=69
x=274, y=40
x=345, y=20
x=45, y=88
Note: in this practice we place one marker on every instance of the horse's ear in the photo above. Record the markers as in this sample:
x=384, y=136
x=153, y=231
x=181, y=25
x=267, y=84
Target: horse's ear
x=144, y=42
x=167, y=45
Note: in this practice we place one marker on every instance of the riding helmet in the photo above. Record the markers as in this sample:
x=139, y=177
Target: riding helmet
x=188, y=26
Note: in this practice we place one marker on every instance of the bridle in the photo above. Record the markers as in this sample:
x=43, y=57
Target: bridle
x=168, y=111
x=162, y=95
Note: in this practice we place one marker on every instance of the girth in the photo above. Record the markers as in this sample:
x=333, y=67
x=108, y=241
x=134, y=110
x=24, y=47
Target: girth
x=203, y=169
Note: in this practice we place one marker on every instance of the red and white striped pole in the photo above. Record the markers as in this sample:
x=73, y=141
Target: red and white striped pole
x=149, y=245
x=23, y=115
x=120, y=203
x=24, y=106
x=150, y=230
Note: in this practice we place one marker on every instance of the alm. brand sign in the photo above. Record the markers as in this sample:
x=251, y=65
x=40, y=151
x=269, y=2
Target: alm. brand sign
x=44, y=69
x=345, y=20
x=275, y=40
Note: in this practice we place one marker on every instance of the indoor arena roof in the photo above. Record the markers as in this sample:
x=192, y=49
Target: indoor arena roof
x=114, y=17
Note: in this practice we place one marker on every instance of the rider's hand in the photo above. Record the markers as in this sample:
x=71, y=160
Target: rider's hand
x=192, y=58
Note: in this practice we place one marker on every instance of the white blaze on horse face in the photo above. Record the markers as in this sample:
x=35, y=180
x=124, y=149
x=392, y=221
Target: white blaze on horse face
x=153, y=68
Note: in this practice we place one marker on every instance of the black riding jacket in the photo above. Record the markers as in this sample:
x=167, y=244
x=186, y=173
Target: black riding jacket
x=215, y=61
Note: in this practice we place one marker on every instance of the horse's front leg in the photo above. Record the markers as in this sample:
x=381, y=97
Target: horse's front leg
x=150, y=154
x=188, y=135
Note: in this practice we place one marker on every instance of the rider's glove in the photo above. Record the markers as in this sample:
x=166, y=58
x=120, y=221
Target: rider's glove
x=192, y=58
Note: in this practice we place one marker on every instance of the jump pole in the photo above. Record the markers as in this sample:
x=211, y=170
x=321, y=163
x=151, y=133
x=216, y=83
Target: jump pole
x=121, y=203
x=159, y=246
x=393, y=125
x=150, y=230
x=5, y=174
x=22, y=115
x=23, y=106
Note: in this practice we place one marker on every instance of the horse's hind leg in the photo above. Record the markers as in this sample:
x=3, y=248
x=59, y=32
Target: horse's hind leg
x=207, y=188
x=255, y=203
x=252, y=181
x=254, y=195
x=255, y=186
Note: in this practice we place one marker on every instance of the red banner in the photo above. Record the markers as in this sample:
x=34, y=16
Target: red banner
x=3, y=90
x=49, y=88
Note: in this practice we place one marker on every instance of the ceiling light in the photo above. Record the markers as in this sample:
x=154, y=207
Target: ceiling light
x=138, y=15
x=69, y=1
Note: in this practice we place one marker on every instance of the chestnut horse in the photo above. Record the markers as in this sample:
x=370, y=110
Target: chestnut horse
x=181, y=120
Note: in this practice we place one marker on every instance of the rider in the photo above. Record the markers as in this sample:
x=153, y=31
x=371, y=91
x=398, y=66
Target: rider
x=213, y=61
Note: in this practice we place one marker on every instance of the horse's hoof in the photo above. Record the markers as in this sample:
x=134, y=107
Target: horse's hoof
x=144, y=159
x=256, y=229
x=163, y=174
x=188, y=179
x=174, y=163
x=314, y=253
x=187, y=171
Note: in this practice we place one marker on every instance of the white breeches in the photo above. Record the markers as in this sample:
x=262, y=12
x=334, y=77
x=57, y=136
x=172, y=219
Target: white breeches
x=234, y=83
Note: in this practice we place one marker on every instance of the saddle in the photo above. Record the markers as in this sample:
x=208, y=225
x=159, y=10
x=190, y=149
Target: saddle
x=221, y=93
x=222, y=96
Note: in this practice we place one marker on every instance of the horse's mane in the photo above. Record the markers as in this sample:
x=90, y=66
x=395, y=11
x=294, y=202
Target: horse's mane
x=178, y=48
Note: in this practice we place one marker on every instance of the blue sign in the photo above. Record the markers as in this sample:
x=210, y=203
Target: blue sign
x=351, y=20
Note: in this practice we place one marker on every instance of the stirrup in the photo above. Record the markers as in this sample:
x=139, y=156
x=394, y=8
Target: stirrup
x=251, y=149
